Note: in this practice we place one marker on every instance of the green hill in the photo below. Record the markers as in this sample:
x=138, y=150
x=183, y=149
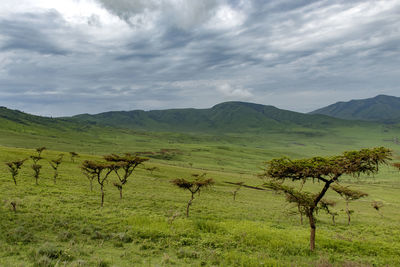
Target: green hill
x=381, y=108
x=224, y=117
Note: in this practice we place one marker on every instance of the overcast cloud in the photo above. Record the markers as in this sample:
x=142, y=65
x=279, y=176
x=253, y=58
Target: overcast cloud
x=76, y=56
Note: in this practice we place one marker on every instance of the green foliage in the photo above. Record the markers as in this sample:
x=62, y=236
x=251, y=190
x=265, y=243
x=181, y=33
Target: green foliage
x=364, y=161
x=347, y=193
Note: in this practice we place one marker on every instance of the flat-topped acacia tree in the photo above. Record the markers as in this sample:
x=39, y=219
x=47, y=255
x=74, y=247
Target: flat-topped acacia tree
x=14, y=167
x=348, y=195
x=55, y=163
x=73, y=155
x=326, y=170
x=127, y=163
x=99, y=170
x=193, y=187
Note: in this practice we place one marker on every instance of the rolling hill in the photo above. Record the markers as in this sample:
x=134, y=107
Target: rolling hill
x=225, y=117
x=382, y=108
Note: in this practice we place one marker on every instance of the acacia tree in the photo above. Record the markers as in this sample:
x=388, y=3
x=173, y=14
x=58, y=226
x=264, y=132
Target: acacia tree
x=377, y=205
x=55, y=163
x=73, y=155
x=234, y=192
x=90, y=177
x=324, y=170
x=326, y=205
x=39, y=150
x=193, y=187
x=36, y=172
x=99, y=170
x=14, y=167
x=127, y=163
x=348, y=195
x=152, y=169
x=35, y=166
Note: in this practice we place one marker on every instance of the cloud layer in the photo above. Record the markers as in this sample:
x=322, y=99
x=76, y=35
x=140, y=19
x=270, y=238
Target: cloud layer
x=74, y=56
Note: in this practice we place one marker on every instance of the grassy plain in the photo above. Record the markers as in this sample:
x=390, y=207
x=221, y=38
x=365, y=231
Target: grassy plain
x=62, y=224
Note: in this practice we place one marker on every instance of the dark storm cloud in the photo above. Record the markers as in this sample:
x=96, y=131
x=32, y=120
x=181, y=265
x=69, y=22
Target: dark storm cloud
x=136, y=54
x=29, y=33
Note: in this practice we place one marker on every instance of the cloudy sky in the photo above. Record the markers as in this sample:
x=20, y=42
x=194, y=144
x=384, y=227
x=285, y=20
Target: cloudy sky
x=67, y=57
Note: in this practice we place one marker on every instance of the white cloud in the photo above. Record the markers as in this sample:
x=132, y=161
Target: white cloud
x=236, y=92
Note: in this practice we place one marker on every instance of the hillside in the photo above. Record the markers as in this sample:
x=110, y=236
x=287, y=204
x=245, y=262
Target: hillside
x=224, y=117
x=16, y=120
x=381, y=108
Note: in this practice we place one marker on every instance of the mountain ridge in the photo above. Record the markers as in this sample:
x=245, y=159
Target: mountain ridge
x=381, y=108
x=233, y=116
x=229, y=116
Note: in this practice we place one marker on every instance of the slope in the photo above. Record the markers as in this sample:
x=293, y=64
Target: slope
x=382, y=108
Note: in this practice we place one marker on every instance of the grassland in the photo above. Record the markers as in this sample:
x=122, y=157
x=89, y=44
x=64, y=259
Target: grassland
x=63, y=224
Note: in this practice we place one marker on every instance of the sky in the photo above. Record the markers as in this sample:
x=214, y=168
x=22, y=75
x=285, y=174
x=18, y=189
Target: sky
x=67, y=57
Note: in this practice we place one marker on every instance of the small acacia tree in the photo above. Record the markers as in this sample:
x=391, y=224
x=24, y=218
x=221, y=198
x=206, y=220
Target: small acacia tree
x=99, y=170
x=193, y=187
x=55, y=163
x=127, y=163
x=377, y=205
x=324, y=170
x=90, y=177
x=36, y=167
x=152, y=169
x=36, y=172
x=14, y=167
x=73, y=155
x=348, y=195
x=234, y=192
x=40, y=150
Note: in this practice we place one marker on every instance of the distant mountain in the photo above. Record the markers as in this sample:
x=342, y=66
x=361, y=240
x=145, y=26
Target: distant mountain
x=382, y=108
x=225, y=117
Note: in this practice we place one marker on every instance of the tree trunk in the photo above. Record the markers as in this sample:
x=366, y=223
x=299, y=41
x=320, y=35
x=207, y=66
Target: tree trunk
x=188, y=206
x=15, y=181
x=14, y=206
x=55, y=177
x=333, y=220
x=36, y=178
x=102, y=196
x=301, y=215
x=234, y=195
x=120, y=193
x=91, y=185
x=312, y=232
x=348, y=213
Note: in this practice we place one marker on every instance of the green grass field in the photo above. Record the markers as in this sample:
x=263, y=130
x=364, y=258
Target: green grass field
x=63, y=225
